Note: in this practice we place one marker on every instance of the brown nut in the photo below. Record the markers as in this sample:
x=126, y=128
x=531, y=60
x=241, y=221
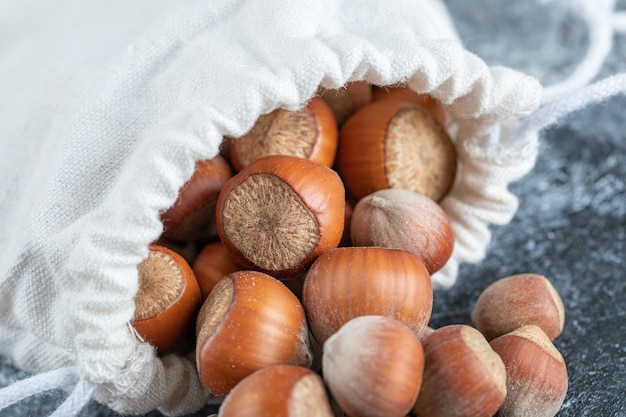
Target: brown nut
x=281, y=212
x=345, y=101
x=192, y=217
x=279, y=390
x=518, y=300
x=404, y=93
x=310, y=133
x=167, y=299
x=345, y=283
x=463, y=376
x=395, y=144
x=212, y=264
x=373, y=367
x=249, y=321
x=403, y=219
x=536, y=373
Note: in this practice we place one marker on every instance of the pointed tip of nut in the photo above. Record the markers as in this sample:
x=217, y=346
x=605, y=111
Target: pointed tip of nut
x=538, y=337
x=310, y=398
x=477, y=343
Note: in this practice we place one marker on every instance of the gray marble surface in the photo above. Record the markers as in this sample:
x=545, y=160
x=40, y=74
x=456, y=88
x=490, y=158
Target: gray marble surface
x=571, y=224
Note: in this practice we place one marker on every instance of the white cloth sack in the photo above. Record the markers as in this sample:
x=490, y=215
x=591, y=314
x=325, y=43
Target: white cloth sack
x=106, y=107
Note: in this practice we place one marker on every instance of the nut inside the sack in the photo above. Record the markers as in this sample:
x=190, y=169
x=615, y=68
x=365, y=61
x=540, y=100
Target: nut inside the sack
x=315, y=278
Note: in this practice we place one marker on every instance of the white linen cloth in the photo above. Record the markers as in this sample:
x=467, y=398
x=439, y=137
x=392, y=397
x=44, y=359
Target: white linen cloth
x=105, y=108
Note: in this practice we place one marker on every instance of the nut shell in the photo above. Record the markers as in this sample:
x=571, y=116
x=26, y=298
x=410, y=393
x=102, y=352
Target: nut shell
x=249, y=321
x=519, y=300
x=536, y=373
x=345, y=283
x=403, y=219
x=373, y=367
x=280, y=390
x=403, y=93
x=192, y=217
x=281, y=212
x=463, y=376
x=310, y=133
x=212, y=264
x=395, y=144
x=167, y=300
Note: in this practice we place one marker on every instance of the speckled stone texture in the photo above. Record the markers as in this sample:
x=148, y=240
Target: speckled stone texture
x=571, y=224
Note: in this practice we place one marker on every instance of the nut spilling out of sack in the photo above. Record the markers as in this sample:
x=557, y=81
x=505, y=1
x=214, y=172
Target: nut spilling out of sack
x=303, y=254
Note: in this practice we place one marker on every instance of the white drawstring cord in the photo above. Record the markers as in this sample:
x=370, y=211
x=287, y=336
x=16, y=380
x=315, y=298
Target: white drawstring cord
x=36, y=384
x=55, y=379
x=598, y=15
x=558, y=107
x=77, y=400
x=574, y=93
x=619, y=22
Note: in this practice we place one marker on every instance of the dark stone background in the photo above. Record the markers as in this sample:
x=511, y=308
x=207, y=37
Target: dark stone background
x=571, y=224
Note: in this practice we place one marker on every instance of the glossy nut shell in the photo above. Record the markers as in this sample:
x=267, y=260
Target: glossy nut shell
x=395, y=144
x=536, y=373
x=192, y=217
x=249, y=321
x=281, y=212
x=406, y=94
x=167, y=300
x=280, y=390
x=310, y=133
x=463, y=376
x=345, y=283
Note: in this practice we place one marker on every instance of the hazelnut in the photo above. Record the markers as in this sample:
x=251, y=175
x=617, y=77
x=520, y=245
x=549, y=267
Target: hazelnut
x=167, y=299
x=395, y=144
x=212, y=264
x=404, y=93
x=280, y=212
x=345, y=101
x=536, y=373
x=279, y=390
x=517, y=300
x=463, y=376
x=192, y=217
x=373, y=367
x=310, y=133
x=403, y=219
x=249, y=321
x=344, y=283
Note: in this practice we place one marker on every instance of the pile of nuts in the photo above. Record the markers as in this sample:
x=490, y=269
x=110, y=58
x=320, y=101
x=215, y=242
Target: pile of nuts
x=297, y=264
